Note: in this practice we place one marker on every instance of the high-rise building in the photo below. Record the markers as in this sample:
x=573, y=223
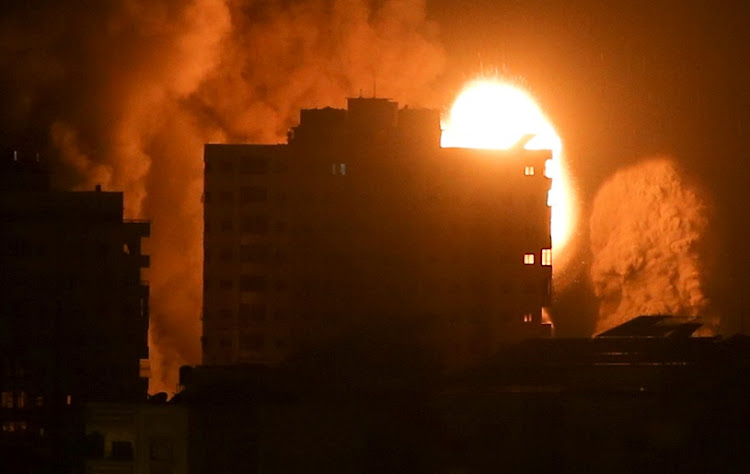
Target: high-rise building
x=362, y=222
x=73, y=308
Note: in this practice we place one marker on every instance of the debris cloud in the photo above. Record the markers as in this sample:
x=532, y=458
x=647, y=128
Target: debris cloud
x=647, y=228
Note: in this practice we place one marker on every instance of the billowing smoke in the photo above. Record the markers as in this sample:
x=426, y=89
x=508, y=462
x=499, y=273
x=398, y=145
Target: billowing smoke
x=127, y=92
x=647, y=228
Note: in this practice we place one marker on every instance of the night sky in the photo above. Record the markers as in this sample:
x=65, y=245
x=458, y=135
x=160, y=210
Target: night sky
x=621, y=81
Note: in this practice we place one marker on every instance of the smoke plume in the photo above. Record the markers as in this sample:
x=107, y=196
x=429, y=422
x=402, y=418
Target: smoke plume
x=647, y=227
x=126, y=93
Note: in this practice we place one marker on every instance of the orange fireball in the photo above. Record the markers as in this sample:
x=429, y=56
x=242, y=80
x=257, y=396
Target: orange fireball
x=492, y=114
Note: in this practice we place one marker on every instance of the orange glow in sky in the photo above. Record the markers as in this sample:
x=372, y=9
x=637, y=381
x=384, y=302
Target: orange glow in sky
x=492, y=114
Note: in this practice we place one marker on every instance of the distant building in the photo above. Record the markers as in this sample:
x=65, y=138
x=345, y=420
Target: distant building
x=137, y=438
x=73, y=309
x=363, y=223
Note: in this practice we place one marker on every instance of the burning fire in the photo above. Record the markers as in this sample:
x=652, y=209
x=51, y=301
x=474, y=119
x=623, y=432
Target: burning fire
x=492, y=114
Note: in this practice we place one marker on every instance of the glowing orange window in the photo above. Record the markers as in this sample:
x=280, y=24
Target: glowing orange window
x=546, y=257
x=528, y=259
x=528, y=171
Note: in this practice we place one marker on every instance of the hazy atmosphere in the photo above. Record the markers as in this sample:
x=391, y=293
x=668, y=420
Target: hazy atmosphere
x=650, y=100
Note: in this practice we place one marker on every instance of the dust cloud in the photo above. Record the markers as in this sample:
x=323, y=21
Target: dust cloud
x=647, y=228
x=126, y=93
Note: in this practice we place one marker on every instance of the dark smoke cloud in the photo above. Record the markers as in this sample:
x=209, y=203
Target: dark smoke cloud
x=647, y=230
x=125, y=93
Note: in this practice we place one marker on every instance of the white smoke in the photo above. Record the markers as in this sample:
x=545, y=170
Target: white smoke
x=647, y=227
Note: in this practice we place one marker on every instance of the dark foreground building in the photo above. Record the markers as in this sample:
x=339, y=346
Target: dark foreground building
x=652, y=399
x=362, y=223
x=73, y=313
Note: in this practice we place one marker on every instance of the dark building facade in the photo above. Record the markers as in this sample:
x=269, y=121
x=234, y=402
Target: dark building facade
x=362, y=223
x=73, y=310
x=646, y=397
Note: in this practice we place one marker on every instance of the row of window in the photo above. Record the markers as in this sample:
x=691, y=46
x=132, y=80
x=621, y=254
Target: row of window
x=247, y=195
x=251, y=253
x=18, y=399
x=248, y=313
x=253, y=224
x=15, y=426
x=248, y=342
x=245, y=165
x=259, y=284
x=546, y=258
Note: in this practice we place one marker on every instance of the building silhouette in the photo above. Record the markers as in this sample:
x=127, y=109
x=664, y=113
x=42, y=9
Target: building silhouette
x=73, y=311
x=362, y=224
x=645, y=397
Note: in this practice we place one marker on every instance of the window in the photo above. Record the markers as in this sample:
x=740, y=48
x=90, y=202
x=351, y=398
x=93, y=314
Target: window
x=338, y=169
x=528, y=259
x=225, y=254
x=547, y=257
x=252, y=283
x=254, y=253
x=225, y=197
x=252, y=342
x=255, y=312
x=21, y=399
x=122, y=450
x=254, y=165
x=528, y=171
x=224, y=166
x=254, y=224
x=549, y=169
x=527, y=318
x=7, y=399
x=160, y=449
x=251, y=194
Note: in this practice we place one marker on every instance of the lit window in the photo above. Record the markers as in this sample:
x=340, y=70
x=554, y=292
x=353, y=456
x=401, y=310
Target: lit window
x=546, y=257
x=7, y=399
x=528, y=259
x=528, y=171
x=549, y=168
x=21, y=399
x=338, y=169
x=527, y=318
x=69, y=400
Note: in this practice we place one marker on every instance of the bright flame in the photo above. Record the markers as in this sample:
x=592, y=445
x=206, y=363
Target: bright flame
x=492, y=114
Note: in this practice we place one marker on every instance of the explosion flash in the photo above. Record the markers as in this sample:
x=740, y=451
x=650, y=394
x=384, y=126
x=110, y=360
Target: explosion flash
x=492, y=114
